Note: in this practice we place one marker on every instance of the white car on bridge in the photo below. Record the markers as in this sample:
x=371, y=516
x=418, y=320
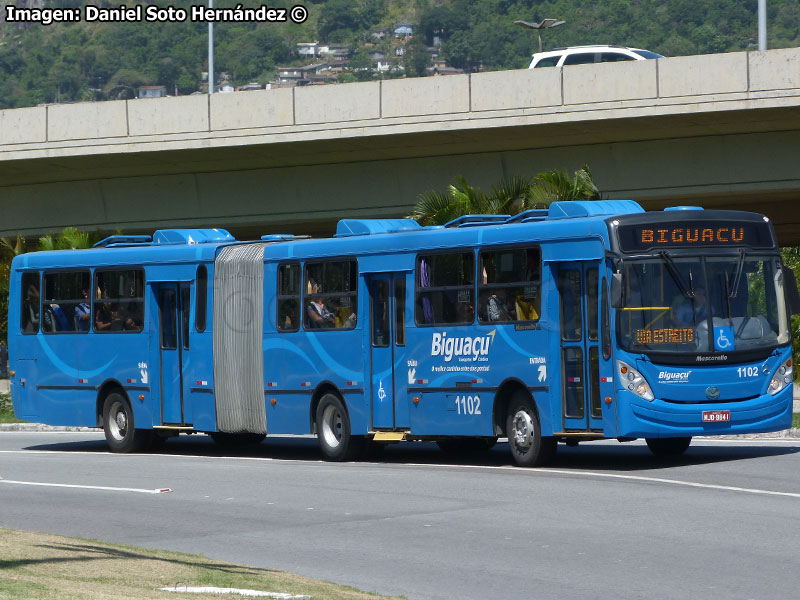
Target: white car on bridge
x=582, y=55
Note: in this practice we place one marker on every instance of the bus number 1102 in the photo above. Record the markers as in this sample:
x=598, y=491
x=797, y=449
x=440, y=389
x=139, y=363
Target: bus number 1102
x=468, y=405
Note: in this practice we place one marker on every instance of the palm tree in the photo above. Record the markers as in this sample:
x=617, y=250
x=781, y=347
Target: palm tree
x=557, y=186
x=69, y=238
x=510, y=196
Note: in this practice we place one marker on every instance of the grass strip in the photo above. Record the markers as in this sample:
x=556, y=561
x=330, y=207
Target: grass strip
x=50, y=567
x=7, y=410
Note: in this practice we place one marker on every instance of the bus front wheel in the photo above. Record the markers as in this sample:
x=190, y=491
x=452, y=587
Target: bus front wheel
x=674, y=446
x=525, y=440
x=333, y=431
x=118, y=426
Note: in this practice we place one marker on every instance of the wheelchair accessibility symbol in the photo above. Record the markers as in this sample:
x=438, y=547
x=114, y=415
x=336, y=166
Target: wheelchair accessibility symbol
x=381, y=391
x=723, y=339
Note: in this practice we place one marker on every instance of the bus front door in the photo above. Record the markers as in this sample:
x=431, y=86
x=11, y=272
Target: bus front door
x=173, y=325
x=579, y=289
x=388, y=383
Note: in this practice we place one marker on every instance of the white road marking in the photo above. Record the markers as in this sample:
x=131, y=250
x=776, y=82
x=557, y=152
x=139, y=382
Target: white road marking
x=642, y=478
x=86, y=487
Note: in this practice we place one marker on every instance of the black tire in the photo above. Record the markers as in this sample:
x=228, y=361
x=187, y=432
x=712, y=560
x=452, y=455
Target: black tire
x=333, y=431
x=666, y=447
x=120, y=428
x=236, y=440
x=525, y=440
x=466, y=445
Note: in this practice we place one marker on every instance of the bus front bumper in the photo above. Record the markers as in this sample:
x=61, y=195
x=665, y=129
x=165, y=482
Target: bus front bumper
x=639, y=418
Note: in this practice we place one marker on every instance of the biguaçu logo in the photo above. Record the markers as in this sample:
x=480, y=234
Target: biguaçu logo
x=466, y=348
x=669, y=376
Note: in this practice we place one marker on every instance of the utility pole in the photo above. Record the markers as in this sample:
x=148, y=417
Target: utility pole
x=211, y=51
x=762, y=25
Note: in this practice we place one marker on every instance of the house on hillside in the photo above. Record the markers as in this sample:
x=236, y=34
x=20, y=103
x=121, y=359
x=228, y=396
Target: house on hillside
x=307, y=48
x=404, y=30
x=152, y=91
x=380, y=33
x=299, y=75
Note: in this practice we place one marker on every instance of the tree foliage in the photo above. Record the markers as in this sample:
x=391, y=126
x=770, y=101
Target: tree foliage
x=510, y=196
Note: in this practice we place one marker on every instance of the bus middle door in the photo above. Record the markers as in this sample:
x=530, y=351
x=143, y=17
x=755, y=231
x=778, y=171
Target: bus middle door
x=174, y=303
x=578, y=289
x=388, y=383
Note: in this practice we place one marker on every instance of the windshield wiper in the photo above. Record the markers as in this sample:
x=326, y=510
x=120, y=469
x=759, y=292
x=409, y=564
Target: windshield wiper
x=734, y=289
x=676, y=275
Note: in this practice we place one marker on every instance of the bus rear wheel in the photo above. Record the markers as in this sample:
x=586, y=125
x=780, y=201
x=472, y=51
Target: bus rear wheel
x=528, y=447
x=333, y=431
x=674, y=446
x=119, y=426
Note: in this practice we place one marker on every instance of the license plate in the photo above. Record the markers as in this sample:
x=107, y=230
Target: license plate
x=716, y=416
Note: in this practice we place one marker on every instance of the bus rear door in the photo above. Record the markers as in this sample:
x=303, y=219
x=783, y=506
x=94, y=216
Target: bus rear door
x=388, y=373
x=174, y=303
x=578, y=288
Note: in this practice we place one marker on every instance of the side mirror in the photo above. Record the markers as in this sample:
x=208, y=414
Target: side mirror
x=790, y=290
x=616, y=290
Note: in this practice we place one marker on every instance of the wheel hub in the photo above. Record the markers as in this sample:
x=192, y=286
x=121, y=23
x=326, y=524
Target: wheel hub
x=522, y=430
x=332, y=426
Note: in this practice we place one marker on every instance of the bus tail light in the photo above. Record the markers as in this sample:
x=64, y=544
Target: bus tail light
x=634, y=381
x=783, y=377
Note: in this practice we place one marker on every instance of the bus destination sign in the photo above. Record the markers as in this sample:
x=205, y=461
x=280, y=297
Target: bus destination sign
x=637, y=238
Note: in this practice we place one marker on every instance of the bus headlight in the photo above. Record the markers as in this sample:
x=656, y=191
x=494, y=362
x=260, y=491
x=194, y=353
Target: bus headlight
x=634, y=381
x=782, y=378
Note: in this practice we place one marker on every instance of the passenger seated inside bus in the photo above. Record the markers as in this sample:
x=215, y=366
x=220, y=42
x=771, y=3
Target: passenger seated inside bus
x=320, y=316
x=113, y=317
x=498, y=308
x=30, y=312
x=83, y=312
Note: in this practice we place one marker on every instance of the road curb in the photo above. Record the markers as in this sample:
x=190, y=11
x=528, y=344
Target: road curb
x=40, y=427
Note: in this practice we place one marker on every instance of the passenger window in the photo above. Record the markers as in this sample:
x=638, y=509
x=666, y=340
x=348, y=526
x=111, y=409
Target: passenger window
x=550, y=61
x=614, y=57
x=508, y=286
x=400, y=311
x=186, y=300
x=591, y=304
x=569, y=287
x=331, y=295
x=201, y=302
x=288, y=297
x=119, y=301
x=445, y=289
x=581, y=58
x=66, y=302
x=30, y=304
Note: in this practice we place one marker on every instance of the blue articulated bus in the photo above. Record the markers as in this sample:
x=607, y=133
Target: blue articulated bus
x=587, y=320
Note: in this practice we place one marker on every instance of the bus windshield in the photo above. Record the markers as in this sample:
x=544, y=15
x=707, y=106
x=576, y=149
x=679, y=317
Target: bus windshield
x=668, y=301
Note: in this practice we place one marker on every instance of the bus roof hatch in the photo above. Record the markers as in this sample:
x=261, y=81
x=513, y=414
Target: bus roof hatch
x=592, y=208
x=348, y=227
x=191, y=236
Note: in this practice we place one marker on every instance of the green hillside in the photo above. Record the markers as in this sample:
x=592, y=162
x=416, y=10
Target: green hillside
x=65, y=62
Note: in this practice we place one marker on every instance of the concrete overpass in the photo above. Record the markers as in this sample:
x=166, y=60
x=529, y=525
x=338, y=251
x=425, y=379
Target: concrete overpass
x=718, y=130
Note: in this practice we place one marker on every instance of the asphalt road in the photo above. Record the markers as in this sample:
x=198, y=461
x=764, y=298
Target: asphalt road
x=605, y=520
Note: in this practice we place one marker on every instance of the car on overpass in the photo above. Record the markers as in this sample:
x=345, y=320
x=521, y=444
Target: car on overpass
x=582, y=55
